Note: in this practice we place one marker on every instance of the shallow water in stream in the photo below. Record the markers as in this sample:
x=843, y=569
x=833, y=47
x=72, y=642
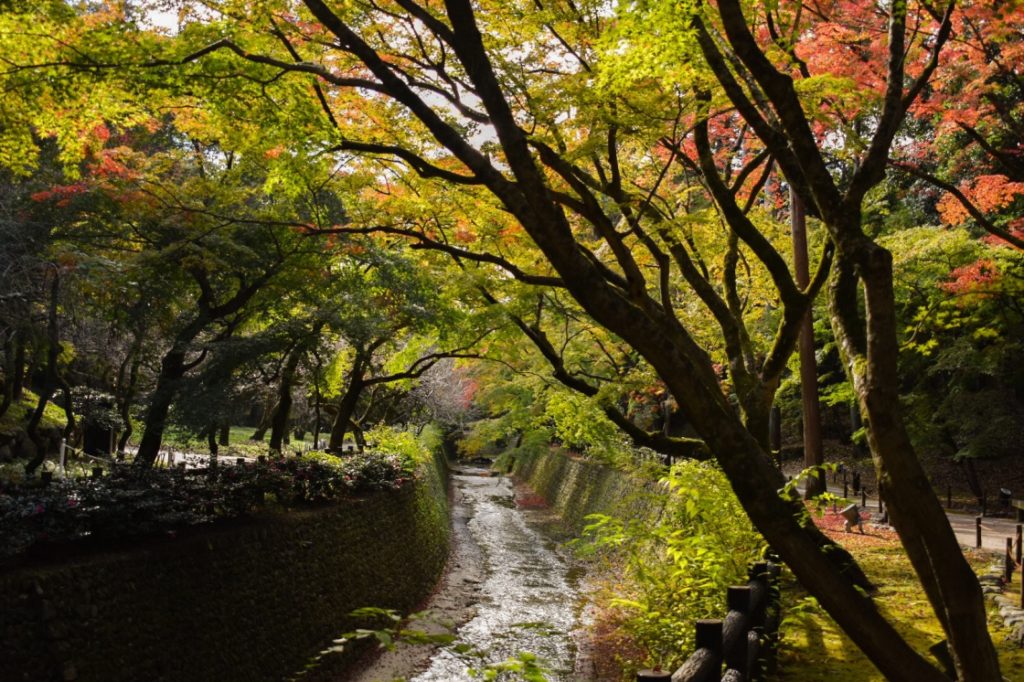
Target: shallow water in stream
x=528, y=599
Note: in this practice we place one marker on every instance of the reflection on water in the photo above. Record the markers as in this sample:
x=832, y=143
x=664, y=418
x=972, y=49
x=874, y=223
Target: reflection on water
x=528, y=599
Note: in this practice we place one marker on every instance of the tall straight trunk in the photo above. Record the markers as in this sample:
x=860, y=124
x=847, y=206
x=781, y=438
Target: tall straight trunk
x=19, y=364
x=317, y=400
x=813, y=451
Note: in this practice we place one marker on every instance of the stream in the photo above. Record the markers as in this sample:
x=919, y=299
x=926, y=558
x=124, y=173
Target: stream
x=527, y=597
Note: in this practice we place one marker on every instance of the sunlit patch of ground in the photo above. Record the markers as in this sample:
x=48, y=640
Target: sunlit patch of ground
x=813, y=648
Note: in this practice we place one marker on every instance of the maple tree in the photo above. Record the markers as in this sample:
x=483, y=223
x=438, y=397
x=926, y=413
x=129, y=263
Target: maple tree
x=590, y=147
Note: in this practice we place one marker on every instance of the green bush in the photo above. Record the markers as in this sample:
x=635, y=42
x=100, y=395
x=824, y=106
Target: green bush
x=671, y=570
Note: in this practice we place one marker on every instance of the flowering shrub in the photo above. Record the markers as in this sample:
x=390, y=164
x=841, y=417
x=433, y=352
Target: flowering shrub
x=126, y=503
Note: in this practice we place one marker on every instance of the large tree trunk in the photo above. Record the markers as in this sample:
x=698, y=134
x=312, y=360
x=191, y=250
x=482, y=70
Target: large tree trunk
x=813, y=451
x=279, y=421
x=172, y=369
x=349, y=400
x=346, y=408
x=871, y=357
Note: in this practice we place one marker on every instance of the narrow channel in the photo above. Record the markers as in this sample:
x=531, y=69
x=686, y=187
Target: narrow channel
x=528, y=601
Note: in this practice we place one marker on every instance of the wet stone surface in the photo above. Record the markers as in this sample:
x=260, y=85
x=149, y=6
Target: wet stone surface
x=527, y=595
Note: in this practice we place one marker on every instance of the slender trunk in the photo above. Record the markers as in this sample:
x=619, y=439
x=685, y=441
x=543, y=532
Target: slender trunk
x=8, y=397
x=225, y=434
x=813, y=452
x=211, y=439
x=775, y=431
x=51, y=378
x=316, y=402
x=279, y=421
x=19, y=365
x=126, y=386
x=69, y=408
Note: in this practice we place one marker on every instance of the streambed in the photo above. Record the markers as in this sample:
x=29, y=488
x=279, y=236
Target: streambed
x=527, y=600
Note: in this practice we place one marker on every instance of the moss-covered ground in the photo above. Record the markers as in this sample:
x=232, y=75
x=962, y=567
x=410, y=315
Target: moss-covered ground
x=813, y=648
x=17, y=415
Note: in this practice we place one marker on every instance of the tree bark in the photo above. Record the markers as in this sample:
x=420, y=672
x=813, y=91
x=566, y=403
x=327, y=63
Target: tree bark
x=279, y=420
x=51, y=379
x=225, y=434
x=811, y=412
x=8, y=397
x=126, y=388
x=915, y=511
x=266, y=415
x=349, y=401
x=172, y=369
x=19, y=364
x=317, y=398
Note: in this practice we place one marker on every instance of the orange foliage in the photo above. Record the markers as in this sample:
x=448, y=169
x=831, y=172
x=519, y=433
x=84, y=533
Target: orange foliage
x=987, y=192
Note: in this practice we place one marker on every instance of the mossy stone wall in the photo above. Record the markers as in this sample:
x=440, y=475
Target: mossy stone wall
x=247, y=601
x=575, y=488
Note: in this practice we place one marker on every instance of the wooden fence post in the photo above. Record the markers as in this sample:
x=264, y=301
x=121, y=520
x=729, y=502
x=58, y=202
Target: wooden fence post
x=735, y=627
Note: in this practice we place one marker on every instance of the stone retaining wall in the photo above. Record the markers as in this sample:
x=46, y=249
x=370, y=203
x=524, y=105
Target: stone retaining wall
x=252, y=600
x=575, y=488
